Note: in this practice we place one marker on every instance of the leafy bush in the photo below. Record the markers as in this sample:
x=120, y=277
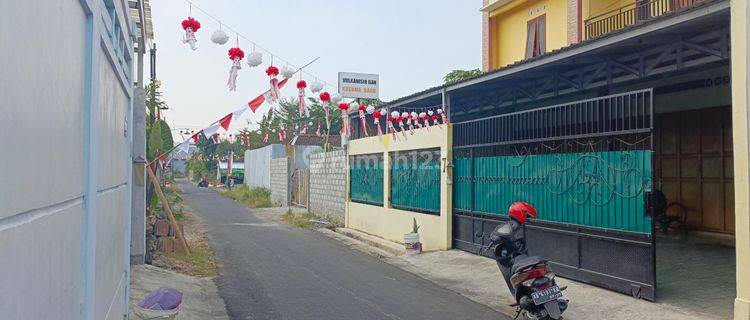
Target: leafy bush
x=254, y=198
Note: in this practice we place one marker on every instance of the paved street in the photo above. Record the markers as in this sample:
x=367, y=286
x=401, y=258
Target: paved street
x=272, y=271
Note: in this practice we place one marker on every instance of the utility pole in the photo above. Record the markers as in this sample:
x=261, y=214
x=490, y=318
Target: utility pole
x=153, y=78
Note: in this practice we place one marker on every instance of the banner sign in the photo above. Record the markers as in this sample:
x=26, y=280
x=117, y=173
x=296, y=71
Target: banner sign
x=358, y=85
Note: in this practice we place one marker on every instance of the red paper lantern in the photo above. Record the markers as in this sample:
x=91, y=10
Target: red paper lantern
x=191, y=23
x=236, y=53
x=272, y=71
x=325, y=96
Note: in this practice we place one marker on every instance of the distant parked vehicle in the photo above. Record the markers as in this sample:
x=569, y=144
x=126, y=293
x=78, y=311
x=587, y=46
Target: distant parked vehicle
x=203, y=183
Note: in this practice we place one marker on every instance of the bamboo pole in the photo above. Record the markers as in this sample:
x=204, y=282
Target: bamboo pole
x=183, y=244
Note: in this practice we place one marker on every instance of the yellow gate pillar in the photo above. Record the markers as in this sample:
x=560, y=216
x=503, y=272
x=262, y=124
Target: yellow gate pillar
x=740, y=115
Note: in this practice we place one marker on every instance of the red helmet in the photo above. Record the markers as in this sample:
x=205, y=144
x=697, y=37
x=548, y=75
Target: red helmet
x=519, y=210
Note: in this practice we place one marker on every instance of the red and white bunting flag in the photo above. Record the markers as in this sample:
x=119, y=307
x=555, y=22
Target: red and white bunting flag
x=258, y=101
x=196, y=136
x=224, y=122
x=209, y=132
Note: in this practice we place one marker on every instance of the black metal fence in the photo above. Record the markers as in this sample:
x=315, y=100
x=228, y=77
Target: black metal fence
x=633, y=13
x=620, y=114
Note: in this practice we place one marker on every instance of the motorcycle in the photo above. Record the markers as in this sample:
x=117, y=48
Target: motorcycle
x=529, y=278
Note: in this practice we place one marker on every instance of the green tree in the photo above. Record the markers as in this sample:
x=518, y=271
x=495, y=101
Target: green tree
x=458, y=75
x=154, y=100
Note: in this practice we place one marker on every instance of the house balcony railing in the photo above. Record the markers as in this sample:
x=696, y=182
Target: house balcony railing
x=631, y=14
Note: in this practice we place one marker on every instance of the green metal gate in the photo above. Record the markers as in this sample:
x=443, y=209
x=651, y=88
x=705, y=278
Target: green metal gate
x=366, y=179
x=596, y=189
x=415, y=180
x=586, y=166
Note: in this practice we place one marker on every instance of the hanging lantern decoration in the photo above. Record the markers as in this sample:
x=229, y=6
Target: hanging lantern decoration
x=235, y=54
x=407, y=116
x=362, y=124
x=376, y=119
x=317, y=131
x=391, y=127
x=400, y=120
x=423, y=116
x=287, y=72
x=344, y=107
x=219, y=37
x=272, y=73
x=415, y=117
x=304, y=128
x=336, y=99
x=325, y=101
x=316, y=86
x=434, y=118
x=254, y=59
x=301, y=85
x=190, y=26
x=442, y=114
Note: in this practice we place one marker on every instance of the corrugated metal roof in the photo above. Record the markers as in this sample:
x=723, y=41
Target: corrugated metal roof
x=133, y=5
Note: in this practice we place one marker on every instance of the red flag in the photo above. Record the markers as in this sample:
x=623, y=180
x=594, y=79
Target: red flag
x=225, y=121
x=258, y=101
x=196, y=136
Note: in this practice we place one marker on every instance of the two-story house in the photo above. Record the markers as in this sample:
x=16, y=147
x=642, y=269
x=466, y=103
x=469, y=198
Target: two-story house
x=623, y=122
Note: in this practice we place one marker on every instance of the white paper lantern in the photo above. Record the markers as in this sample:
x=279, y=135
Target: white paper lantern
x=395, y=114
x=336, y=98
x=254, y=59
x=383, y=112
x=370, y=109
x=316, y=87
x=287, y=72
x=219, y=37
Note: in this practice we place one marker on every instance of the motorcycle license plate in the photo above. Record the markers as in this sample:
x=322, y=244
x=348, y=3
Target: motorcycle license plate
x=546, y=295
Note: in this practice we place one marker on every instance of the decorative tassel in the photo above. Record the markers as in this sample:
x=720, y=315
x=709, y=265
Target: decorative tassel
x=400, y=121
x=391, y=128
x=301, y=85
x=441, y=112
x=325, y=100
x=376, y=119
x=434, y=118
x=236, y=55
x=190, y=26
x=423, y=115
x=345, y=127
x=317, y=131
x=362, y=123
x=265, y=137
x=407, y=116
x=272, y=73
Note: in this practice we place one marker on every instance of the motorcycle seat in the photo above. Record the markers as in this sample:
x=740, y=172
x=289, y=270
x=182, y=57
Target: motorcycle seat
x=524, y=262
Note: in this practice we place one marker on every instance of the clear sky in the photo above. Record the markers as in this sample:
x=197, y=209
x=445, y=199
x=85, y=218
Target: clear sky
x=411, y=44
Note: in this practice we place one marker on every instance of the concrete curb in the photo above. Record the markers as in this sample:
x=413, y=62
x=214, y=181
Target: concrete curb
x=393, y=248
x=356, y=244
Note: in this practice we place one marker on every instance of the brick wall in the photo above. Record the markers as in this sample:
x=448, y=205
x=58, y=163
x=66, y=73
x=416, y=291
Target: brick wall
x=485, y=38
x=573, y=22
x=328, y=184
x=280, y=181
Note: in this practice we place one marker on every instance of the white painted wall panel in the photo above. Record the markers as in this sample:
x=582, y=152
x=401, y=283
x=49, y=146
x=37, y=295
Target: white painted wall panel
x=41, y=102
x=40, y=266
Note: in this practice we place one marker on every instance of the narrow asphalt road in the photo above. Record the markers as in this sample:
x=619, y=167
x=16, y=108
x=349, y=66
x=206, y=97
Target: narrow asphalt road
x=272, y=271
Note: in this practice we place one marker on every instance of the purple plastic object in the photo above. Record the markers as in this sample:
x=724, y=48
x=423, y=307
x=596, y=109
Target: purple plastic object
x=162, y=299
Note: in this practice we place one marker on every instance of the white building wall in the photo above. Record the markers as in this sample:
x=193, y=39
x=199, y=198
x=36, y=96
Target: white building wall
x=64, y=159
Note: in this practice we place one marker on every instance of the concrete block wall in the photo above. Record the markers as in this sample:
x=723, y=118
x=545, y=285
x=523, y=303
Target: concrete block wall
x=280, y=181
x=328, y=184
x=65, y=195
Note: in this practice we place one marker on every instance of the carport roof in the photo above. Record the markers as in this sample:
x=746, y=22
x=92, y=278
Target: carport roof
x=666, y=20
